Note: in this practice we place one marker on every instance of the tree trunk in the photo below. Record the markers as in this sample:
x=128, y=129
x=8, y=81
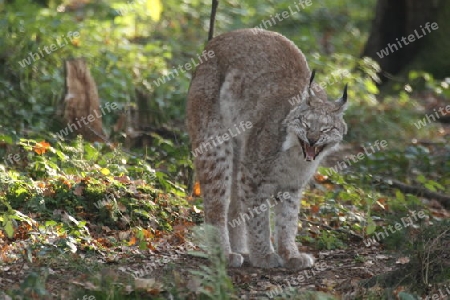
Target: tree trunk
x=395, y=20
x=80, y=109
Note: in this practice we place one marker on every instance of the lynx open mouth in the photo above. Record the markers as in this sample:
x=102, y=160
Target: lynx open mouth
x=309, y=152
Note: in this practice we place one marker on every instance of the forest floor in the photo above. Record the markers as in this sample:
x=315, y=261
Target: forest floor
x=167, y=269
x=154, y=273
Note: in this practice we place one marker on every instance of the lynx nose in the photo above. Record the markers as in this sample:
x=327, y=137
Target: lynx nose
x=312, y=141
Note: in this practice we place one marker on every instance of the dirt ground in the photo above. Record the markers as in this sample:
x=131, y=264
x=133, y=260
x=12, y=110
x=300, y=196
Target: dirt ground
x=336, y=272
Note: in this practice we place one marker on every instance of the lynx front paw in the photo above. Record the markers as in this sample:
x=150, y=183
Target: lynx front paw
x=271, y=260
x=235, y=260
x=300, y=261
x=246, y=257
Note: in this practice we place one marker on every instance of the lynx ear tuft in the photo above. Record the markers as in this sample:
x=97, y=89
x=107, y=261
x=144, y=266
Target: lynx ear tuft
x=344, y=95
x=313, y=73
x=340, y=104
x=310, y=89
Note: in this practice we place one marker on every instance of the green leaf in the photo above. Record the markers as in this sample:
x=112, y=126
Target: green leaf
x=371, y=226
x=413, y=75
x=9, y=228
x=322, y=296
x=6, y=138
x=406, y=296
x=52, y=165
x=91, y=152
x=421, y=179
x=50, y=223
x=61, y=155
x=430, y=186
x=438, y=186
x=399, y=195
x=105, y=171
x=371, y=87
x=142, y=245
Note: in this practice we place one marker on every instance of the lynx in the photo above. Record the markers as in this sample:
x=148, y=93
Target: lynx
x=263, y=165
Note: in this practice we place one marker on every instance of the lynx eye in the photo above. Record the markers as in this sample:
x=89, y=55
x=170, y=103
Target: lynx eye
x=326, y=129
x=305, y=125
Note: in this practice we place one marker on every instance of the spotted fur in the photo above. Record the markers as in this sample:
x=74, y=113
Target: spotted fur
x=250, y=79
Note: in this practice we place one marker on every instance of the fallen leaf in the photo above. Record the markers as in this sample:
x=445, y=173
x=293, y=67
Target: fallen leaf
x=402, y=260
x=78, y=190
x=381, y=256
x=144, y=283
x=315, y=209
x=41, y=147
x=197, y=191
x=320, y=178
x=132, y=241
x=122, y=179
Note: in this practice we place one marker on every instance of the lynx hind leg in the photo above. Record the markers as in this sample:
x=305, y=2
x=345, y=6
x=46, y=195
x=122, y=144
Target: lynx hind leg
x=214, y=170
x=286, y=227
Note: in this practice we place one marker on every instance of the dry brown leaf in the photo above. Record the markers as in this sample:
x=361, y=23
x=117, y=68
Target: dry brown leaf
x=197, y=191
x=315, y=209
x=122, y=179
x=329, y=186
x=402, y=260
x=320, y=178
x=144, y=283
x=124, y=235
x=132, y=241
x=41, y=147
x=79, y=190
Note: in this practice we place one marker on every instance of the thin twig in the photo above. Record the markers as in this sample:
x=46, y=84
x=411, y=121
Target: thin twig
x=335, y=229
x=419, y=191
x=212, y=19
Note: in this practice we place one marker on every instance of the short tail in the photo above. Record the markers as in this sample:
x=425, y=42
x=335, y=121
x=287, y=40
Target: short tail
x=212, y=19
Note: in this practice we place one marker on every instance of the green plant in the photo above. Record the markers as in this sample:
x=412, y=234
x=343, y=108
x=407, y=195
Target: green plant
x=213, y=278
x=33, y=287
x=329, y=241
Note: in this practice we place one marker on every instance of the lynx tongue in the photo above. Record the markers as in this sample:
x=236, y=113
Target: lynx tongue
x=310, y=152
